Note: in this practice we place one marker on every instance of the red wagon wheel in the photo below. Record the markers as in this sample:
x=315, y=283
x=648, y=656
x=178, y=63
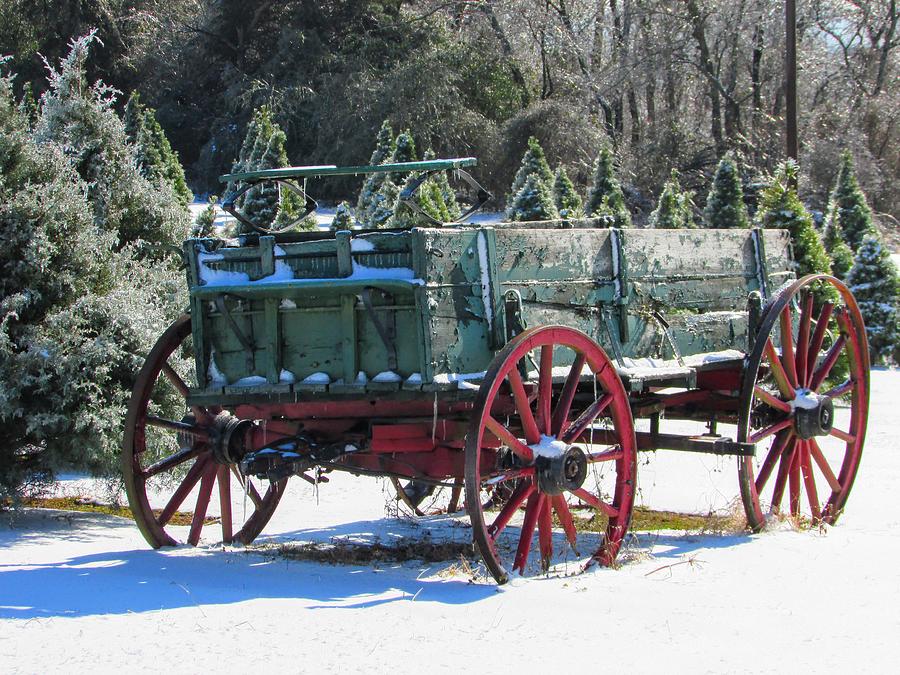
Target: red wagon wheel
x=807, y=419
x=527, y=443
x=167, y=445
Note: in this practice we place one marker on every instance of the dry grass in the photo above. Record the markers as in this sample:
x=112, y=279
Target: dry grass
x=341, y=552
x=87, y=505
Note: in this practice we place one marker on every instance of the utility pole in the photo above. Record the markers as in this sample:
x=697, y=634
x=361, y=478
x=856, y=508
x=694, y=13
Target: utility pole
x=790, y=78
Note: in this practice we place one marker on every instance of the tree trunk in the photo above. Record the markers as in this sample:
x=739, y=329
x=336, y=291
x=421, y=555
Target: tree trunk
x=698, y=31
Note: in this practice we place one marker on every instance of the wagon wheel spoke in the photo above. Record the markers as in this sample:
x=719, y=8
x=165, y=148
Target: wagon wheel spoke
x=818, y=338
x=545, y=389
x=809, y=482
x=523, y=407
x=509, y=439
x=183, y=490
x=181, y=427
x=843, y=388
x=596, y=502
x=794, y=478
x=778, y=372
x=843, y=435
x=223, y=478
x=247, y=487
x=816, y=452
x=206, y=486
x=806, y=303
x=773, y=429
x=771, y=400
x=787, y=458
x=828, y=361
x=564, y=404
x=545, y=533
x=586, y=419
x=172, y=461
x=775, y=453
x=787, y=346
x=535, y=500
x=566, y=520
x=605, y=456
x=519, y=495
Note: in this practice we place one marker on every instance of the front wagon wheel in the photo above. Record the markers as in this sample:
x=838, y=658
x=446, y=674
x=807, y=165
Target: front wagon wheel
x=168, y=459
x=551, y=438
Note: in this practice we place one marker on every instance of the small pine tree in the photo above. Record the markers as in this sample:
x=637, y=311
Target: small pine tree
x=534, y=201
x=725, y=206
x=848, y=207
x=381, y=210
x=780, y=207
x=384, y=148
x=343, y=218
x=840, y=253
x=204, y=223
x=533, y=162
x=565, y=197
x=874, y=282
x=156, y=158
x=404, y=151
x=674, y=209
x=606, y=193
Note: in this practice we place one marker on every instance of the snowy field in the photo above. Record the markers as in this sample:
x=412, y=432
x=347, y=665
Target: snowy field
x=82, y=592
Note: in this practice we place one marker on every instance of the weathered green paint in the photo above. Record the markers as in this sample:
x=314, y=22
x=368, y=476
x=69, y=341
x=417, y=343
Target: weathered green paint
x=332, y=170
x=620, y=287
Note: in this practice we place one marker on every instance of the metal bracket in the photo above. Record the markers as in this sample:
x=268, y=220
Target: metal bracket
x=515, y=322
x=667, y=331
x=246, y=342
x=309, y=205
x=387, y=332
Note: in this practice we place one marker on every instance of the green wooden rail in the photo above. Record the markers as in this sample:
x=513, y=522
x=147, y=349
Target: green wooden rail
x=332, y=170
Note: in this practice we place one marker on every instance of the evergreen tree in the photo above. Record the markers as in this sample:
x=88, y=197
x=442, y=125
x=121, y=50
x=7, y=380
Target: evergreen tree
x=848, y=207
x=404, y=151
x=80, y=118
x=533, y=162
x=384, y=201
x=840, y=253
x=343, y=218
x=875, y=284
x=673, y=210
x=156, y=159
x=78, y=306
x=533, y=202
x=565, y=198
x=384, y=148
x=448, y=197
x=204, y=223
x=781, y=208
x=725, y=206
x=605, y=189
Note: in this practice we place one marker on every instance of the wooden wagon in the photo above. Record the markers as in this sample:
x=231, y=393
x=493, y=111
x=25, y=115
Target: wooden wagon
x=507, y=363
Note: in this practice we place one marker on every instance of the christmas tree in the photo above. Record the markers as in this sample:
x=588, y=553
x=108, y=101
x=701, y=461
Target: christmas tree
x=384, y=148
x=781, y=208
x=725, y=203
x=841, y=254
x=343, y=218
x=674, y=208
x=875, y=285
x=606, y=197
x=848, y=207
x=533, y=162
x=533, y=202
x=565, y=198
x=156, y=159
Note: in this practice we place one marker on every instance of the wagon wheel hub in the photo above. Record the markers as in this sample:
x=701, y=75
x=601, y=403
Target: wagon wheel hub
x=562, y=472
x=226, y=436
x=813, y=415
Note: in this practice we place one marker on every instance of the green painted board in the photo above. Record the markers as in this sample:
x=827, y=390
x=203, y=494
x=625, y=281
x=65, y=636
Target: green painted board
x=332, y=170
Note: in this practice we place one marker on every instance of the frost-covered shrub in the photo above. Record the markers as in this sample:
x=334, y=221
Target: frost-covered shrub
x=79, y=118
x=674, y=210
x=156, y=158
x=874, y=282
x=79, y=303
x=847, y=205
x=343, y=217
x=204, y=223
x=606, y=192
x=533, y=202
x=384, y=148
x=534, y=162
x=725, y=206
x=781, y=208
x=565, y=197
x=841, y=254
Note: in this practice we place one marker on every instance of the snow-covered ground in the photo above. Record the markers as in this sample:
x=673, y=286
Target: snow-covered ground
x=83, y=592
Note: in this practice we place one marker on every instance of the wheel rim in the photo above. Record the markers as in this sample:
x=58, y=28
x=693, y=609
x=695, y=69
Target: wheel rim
x=161, y=449
x=518, y=427
x=802, y=463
